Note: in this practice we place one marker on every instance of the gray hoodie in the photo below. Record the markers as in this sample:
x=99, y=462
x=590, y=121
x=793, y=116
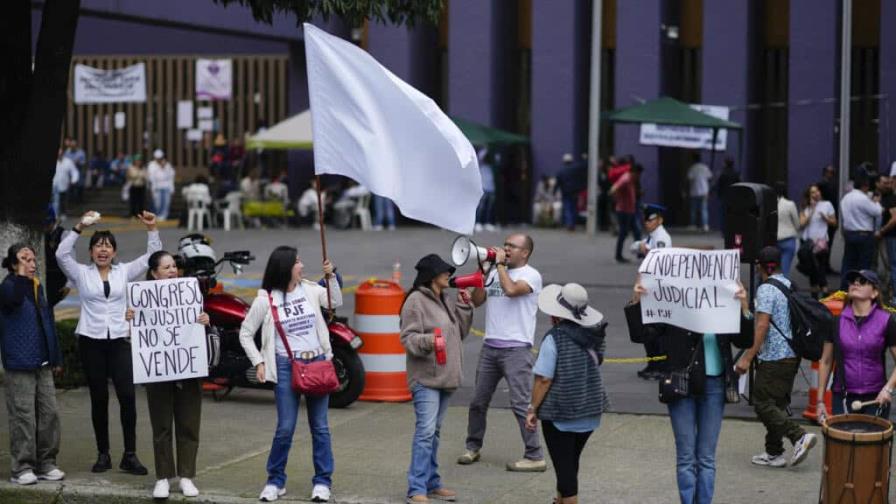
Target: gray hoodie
x=421, y=314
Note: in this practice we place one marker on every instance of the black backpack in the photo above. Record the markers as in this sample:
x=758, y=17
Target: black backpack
x=811, y=323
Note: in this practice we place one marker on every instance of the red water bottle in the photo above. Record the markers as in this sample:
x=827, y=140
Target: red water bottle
x=441, y=354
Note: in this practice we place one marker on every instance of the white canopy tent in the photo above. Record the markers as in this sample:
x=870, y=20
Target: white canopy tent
x=292, y=133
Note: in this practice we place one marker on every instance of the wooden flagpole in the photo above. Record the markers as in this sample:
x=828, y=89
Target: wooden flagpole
x=323, y=238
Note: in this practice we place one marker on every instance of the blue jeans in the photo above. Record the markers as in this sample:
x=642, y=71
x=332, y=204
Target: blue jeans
x=570, y=208
x=787, y=246
x=626, y=224
x=383, y=211
x=696, y=423
x=162, y=202
x=485, y=212
x=891, y=254
x=858, y=250
x=699, y=208
x=287, y=411
x=430, y=406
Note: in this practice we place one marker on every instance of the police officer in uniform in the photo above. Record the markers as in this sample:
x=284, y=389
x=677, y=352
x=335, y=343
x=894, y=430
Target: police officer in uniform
x=657, y=237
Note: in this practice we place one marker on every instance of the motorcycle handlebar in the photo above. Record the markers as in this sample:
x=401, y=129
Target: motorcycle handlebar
x=238, y=256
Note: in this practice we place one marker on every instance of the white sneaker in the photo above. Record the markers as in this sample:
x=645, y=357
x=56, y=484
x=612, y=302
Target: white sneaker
x=161, y=490
x=801, y=447
x=320, y=493
x=188, y=488
x=391, y=227
x=477, y=228
x=377, y=228
x=26, y=478
x=52, y=475
x=764, y=459
x=490, y=227
x=270, y=493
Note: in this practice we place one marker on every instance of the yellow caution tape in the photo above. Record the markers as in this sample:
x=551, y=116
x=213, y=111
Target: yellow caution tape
x=633, y=360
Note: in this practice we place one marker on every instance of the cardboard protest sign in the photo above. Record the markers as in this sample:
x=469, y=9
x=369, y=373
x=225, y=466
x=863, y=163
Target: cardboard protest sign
x=691, y=289
x=167, y=343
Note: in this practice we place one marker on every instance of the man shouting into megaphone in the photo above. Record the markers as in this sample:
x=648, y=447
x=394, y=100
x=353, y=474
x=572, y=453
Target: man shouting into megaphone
x=511, y=298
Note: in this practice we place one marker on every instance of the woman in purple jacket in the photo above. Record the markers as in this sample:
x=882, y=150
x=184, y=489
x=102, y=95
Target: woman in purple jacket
x=861, y=337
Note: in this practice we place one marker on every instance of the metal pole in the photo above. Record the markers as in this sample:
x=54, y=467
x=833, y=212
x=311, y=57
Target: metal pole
x=594, y=116
x=845, y=91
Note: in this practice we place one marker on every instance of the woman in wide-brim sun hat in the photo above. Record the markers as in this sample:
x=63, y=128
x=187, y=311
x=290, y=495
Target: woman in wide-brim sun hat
x=568, y=395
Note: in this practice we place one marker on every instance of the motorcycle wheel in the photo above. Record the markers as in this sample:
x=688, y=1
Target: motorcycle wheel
x=350, y=371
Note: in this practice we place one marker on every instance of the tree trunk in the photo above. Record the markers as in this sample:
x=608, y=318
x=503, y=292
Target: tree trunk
x=37, y=101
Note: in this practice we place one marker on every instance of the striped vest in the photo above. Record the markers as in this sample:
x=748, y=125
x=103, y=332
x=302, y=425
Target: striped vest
x=577, y=390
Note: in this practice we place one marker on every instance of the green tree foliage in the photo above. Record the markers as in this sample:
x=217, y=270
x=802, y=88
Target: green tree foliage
x=400, y=12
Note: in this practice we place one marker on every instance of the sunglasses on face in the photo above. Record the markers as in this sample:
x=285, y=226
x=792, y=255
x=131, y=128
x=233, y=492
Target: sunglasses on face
x=860, y=281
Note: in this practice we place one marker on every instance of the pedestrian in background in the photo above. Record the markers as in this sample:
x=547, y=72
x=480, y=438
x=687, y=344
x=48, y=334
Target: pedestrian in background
x=568, y=393
x=64, y=179
x=573, y=179
x=137, y=180
x=103, y=333
x=727, y=178
x=788, y=228
x=816, y=218
x=161, y=180
x=859, y=214
x=433, y=325
x=485, y=212
x=828, y=187
x=776, y=368
x=699, y=177
x=657, y=237
x=173, y=402
x=290, y=305
x=31, y=354
x=624, y=193
x=697, y=417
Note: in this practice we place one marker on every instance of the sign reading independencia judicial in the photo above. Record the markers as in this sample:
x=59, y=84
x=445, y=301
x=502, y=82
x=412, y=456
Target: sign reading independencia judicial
x=166, y=341
x=692, y=289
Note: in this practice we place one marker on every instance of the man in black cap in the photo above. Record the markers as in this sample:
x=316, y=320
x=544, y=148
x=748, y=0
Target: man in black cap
x=776, y=368
x=657, y=237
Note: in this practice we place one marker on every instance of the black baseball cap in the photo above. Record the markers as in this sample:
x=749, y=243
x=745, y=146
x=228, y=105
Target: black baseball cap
x=769, y=254
x=431, y=266
x=869, y=275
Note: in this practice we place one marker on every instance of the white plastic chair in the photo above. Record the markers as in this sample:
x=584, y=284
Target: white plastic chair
x=362, y=212
x=231, y=208
x=197, y=212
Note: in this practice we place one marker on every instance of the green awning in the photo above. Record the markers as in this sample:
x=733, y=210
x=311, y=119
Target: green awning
x=482, y=135
x=668, y=111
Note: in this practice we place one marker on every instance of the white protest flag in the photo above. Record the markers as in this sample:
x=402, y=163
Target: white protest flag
x=373, y=127
x=692, y=289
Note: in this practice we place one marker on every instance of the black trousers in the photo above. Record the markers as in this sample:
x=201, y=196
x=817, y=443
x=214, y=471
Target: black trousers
x=565, y=449
x=103, y=359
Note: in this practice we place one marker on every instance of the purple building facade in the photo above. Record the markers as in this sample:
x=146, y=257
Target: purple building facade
x=482, y=64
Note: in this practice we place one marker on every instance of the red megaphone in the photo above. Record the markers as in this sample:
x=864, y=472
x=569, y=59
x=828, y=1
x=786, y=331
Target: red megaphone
x=475, y=280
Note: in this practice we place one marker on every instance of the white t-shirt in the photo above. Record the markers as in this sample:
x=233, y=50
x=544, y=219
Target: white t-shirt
x=699, y=177
x=512, y=319
x=297, y=318
x=817, y=227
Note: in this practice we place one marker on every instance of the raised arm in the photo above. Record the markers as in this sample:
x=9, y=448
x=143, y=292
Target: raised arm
x=136, y=268
x=65, y=256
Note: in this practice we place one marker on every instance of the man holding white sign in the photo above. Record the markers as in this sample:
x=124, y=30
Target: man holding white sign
x=692, y=289
x=169, y=354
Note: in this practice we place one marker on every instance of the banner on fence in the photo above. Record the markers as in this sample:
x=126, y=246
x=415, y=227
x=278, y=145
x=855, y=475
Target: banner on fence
x=692, y=289
x=120, y=85
x=167, y=343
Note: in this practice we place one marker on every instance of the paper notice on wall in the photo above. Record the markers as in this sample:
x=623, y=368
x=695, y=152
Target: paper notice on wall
x=184, y=114
x=207, y=124
x=167, y=342
x=691, y=289
x=214, y=79
x=205, y=112
x=120, y=120
x=118, y=85
x=194, y=135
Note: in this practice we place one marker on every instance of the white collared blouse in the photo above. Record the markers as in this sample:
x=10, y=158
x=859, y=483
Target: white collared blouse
x=102, y=317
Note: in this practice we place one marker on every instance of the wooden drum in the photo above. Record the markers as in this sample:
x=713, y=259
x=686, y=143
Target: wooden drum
x=857, y=452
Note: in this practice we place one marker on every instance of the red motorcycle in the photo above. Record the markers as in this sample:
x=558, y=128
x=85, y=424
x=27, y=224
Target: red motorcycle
x=226, y=313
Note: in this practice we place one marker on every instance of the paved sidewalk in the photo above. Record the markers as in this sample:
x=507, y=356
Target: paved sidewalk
x=630, y=459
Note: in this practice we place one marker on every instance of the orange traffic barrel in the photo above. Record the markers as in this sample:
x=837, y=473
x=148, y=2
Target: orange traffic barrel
x=834, y=303
x=377, y=314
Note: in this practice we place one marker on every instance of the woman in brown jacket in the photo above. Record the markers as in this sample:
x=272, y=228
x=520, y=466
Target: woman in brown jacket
x=432, y=327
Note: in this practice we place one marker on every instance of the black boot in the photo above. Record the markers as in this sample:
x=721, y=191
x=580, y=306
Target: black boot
x=103, y=463
x=131, y=464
